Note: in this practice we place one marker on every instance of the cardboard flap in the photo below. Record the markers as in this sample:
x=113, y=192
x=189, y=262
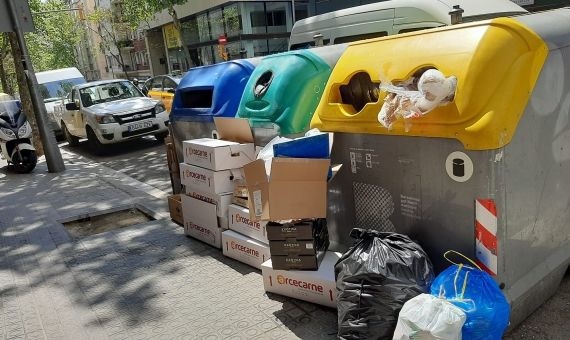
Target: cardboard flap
x=234, y=129
x=254, y=173
x=299, y=169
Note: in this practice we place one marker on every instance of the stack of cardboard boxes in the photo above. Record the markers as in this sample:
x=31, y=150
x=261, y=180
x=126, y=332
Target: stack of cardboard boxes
x=210, y=170
x=269, y=216
x=295, y=194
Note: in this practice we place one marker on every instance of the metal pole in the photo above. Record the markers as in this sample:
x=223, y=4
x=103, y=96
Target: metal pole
x=293, y=5
x=53, y=156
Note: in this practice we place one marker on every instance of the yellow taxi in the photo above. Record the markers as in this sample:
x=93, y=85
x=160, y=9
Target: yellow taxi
x=162, y=88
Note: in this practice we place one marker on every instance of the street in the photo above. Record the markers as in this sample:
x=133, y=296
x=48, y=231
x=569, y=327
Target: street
x=145, y=160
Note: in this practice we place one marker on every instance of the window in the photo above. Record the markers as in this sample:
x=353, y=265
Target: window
x=342, y=40
x=169, y=85
x=108, y=92
x=257, y=17
x=278, y=45
x=232, y=20
x=203, y=27
x=260, y=48
x=156, y=84
x=216, y=23
x=277, y=15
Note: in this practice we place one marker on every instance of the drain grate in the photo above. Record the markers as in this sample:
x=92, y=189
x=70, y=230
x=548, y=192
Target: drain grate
x=97, y=224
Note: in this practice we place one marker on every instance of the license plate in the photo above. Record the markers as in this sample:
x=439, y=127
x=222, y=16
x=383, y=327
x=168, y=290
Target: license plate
x=139, y=126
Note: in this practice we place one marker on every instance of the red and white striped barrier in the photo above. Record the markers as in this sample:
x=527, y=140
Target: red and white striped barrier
x=486, y=235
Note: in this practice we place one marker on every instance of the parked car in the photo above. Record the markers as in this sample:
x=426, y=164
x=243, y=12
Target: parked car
x=111, y=111
x=54, y=85
x=162, y=88
x=391, y=17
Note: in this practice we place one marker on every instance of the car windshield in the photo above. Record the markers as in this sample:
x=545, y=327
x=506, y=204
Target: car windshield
x=58, y=89
x=108, y=92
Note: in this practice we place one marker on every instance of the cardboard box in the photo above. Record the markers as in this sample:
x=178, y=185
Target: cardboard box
x=233, y=150
x=312, y=286
x=297, y=262
x=222, y=201
x=300, y=230
x=201, y=221
x=195, y=178
x=294, y=246
x=241, y=202
x=173, y=163
x=175, y=207
x=244, y=249
x=297, y=188
x=239, y=221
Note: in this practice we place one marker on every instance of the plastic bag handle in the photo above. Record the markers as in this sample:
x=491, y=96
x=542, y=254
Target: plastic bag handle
x=461, y=255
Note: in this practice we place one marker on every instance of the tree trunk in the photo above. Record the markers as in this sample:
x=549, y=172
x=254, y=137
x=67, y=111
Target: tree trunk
x=3, y=77
x=25, y=97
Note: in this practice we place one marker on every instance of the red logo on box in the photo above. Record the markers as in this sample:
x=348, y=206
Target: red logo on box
x=245, y=220
x=298, y=283
x=244, y=249
x=195, y=152
x=192, y=174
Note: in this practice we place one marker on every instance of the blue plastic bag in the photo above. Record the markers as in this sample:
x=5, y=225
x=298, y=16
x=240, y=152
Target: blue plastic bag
x=479, y=296
x=316, y=146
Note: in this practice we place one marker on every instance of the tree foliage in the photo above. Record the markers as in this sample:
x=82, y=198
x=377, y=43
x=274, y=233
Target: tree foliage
x=52, y=44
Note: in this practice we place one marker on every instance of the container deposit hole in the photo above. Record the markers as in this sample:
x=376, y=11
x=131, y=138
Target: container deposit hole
x=197, y=99
x=359, y=91
x=97, y=224
x=262, y=84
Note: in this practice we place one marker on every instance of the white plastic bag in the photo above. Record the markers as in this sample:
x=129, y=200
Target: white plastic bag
x=426, y=317
x=413, y=100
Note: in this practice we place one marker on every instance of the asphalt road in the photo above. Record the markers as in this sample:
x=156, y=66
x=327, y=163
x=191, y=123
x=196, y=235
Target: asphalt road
x=145, y=160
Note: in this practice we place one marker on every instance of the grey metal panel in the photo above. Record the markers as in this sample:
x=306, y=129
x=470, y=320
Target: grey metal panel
x=330, y=54
x=536, y=251
x=552, y=26
x=423, y=201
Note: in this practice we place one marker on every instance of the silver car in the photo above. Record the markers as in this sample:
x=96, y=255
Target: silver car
x=110, y=111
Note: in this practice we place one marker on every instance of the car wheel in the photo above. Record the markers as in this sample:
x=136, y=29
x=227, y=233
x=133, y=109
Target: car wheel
x=161, y=135
x=71, y=139
x=95, y=145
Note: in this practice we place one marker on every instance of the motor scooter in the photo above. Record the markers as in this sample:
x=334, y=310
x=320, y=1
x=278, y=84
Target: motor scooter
x=16, y=136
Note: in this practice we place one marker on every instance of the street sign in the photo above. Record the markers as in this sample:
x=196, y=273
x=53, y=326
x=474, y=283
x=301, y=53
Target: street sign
x=23, y=11
x=222, y=40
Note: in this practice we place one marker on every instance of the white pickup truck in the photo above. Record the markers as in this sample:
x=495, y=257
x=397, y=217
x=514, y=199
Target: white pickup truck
x=110, y=111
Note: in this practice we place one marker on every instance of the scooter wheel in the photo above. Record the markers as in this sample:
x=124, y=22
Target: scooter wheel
x=27, y=163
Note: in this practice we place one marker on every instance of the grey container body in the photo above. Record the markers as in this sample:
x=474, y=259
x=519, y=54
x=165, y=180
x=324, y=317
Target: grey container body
x=400, y=183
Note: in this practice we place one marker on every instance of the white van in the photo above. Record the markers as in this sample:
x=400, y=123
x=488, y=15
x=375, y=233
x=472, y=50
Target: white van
x=391, y=17
x=54, y=85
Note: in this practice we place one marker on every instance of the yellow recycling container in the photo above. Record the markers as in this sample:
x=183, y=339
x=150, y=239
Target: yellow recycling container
x=487, y=174
x=496, y=64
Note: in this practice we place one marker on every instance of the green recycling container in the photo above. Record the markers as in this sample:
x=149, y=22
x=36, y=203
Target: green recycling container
x=284, y=90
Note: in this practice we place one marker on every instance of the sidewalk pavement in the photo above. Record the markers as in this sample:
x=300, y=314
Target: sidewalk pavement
x=145, y=281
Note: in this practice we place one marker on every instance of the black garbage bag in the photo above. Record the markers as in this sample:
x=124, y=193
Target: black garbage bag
x=374, y=279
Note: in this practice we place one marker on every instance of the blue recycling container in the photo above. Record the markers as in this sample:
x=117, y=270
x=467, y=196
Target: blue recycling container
x=206, y=92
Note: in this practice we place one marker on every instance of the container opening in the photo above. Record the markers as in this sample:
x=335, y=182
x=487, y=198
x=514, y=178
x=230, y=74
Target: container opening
x=197, y=99
x=262, y=84
x=359, y=91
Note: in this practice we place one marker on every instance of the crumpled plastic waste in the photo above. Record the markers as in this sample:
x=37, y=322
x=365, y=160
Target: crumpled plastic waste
x=426, y=317
x=415, y=99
